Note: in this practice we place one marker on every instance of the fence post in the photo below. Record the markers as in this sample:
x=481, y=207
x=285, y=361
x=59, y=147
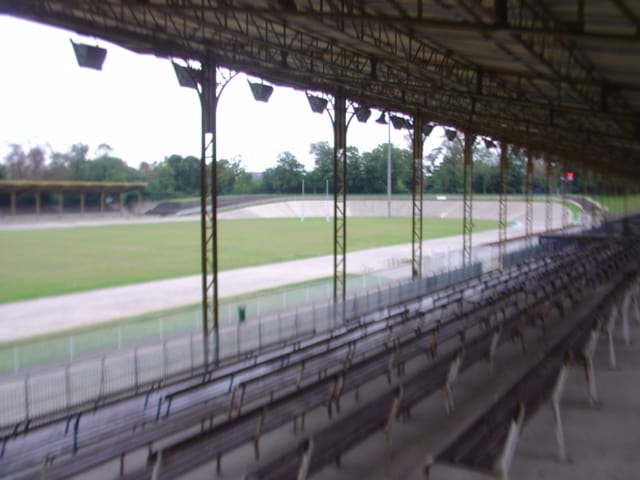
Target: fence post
x=135, y=369
x=102, y=373
x=191, y=352
x=258, y=307
x=67, y=387
x=26, y=397
x=161, y=327
x=238, y=340
x=165, y=361
x=313, y=317
x=16, y=359
x=71, y=348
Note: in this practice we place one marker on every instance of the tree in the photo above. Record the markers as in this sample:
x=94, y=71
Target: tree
x=104, y=150
x=286, y=176
x=26, y=165
x=4, y=174
x=246, y=184
x=516, y=177
x=77, y=159
x=226, y=177
x=316, y=180
x=323, y=167
x=58, y=168
x=161, y=181
x=356, y=178
x=186, y=174
x=110, y=169
x=374, y=170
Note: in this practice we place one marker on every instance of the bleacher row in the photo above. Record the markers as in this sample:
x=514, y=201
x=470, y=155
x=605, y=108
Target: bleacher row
x=201, y=419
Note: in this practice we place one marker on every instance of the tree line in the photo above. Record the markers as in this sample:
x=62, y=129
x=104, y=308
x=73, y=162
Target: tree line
x=177, y=176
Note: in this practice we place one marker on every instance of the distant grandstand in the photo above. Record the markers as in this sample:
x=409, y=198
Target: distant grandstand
x=31, y=193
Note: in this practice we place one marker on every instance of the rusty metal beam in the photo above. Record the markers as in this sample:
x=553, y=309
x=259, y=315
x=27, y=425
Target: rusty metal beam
x=502, y=205
x=417, y=187
x=529, y=199
x=209, y=91
x=564, y=184
x=212, y=84
x=467, y=198
x=340, y=199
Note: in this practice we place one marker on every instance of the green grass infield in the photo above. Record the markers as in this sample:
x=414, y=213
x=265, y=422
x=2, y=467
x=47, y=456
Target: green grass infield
x=37, y=263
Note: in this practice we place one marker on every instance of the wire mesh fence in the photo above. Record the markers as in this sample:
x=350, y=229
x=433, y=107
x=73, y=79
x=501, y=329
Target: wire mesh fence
x=137, y=368
x=73, y=345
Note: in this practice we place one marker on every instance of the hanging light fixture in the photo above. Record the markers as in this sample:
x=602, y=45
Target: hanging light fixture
x=89, y=56
x=427, y=128
x=362, y=113
x=489, y=144
x=451, y=134
x=187, y=77
x=382, y=119
x=261, y=92
x=399, y=122
x=317, y=104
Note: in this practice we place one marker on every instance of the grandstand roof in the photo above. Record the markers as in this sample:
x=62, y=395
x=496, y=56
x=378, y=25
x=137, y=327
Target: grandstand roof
x=54, y=186
x=559, y=77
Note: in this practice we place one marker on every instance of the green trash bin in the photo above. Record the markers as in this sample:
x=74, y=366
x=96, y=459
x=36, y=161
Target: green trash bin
x=242, y=313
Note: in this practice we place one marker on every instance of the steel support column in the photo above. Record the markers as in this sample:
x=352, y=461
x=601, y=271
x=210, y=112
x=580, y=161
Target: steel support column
x=340, y=198
x=548, y=211
x=416, y=194
x=467, y=223
x=502, y=205
x=529, y=199
x=208, y=212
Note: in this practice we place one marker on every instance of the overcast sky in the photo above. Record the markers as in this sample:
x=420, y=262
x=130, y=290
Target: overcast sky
x=136, y=106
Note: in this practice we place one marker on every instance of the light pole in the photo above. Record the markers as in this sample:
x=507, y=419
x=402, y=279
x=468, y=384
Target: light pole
x=302, y=212
x=326, y=187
